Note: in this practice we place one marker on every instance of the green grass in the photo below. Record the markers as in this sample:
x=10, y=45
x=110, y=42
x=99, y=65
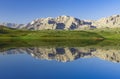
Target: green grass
x=7, y=33
x=24, y=38
x=107, y=33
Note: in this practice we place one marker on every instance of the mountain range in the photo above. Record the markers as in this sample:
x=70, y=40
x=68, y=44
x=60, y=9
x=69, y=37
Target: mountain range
x=67, y=23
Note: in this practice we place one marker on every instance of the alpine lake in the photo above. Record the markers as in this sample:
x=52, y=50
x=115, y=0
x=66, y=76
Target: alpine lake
x=59, y=59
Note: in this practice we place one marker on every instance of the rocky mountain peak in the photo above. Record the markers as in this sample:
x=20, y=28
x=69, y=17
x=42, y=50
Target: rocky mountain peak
x=60, y=22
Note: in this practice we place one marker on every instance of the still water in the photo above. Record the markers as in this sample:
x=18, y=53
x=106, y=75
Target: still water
x=59, y=63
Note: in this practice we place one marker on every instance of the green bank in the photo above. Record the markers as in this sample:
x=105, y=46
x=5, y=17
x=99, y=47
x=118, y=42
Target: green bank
x=98, y=37
x=8, y=33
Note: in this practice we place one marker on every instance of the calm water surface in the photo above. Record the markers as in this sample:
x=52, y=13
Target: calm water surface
x=59, y=63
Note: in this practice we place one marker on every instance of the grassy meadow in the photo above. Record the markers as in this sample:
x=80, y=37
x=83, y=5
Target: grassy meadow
x=7, y=33
x=97, y=37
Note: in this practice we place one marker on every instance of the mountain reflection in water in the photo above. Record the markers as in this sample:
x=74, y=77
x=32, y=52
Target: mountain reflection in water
x=66, y=54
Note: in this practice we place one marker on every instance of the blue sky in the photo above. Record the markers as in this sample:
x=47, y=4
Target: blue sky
x=24, y=11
